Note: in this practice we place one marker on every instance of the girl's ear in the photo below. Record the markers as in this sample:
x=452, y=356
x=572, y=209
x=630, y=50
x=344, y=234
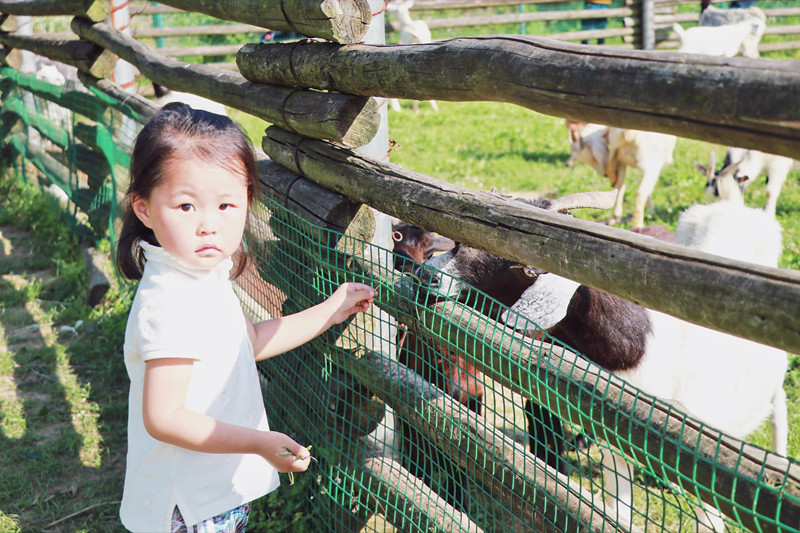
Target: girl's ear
x=140, y=209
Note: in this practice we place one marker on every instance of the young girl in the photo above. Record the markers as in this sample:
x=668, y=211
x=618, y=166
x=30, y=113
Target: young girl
x=199, y=447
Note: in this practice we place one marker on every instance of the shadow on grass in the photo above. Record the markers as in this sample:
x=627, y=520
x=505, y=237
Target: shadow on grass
x=63, y=416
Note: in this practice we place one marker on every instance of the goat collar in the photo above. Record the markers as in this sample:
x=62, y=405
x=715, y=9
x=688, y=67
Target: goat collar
x=545, y=302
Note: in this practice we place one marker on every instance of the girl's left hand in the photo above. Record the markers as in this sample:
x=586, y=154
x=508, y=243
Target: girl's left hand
x=350, y=298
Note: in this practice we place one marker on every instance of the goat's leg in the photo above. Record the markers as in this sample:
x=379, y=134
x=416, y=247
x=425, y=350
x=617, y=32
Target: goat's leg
x=545, y=435
x=395, y=103
x=649, y=179
x=434, y=105
x=617, y=484
x=780, y=423
x=616, y=216
x=709, y=519
x=775, y=181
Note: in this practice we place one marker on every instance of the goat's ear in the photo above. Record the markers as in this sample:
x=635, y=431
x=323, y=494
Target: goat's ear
x=700, y=167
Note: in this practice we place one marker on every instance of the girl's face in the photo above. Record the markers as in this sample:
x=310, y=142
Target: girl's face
x=198, y=212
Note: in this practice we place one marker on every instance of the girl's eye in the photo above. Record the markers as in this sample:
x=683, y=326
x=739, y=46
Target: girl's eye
x=186, y=207
x=223, y=207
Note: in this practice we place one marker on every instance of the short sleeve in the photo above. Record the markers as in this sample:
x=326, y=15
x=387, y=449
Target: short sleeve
x=174, y=330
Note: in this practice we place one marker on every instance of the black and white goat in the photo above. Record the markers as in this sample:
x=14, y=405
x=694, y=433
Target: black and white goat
x=727, y=382
x=751, y=163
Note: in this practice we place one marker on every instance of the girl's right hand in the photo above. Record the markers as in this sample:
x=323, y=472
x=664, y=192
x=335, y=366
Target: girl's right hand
x=286, y=455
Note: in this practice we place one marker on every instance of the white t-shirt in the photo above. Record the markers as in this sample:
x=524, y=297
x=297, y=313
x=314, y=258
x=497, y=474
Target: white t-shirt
x=183, y=312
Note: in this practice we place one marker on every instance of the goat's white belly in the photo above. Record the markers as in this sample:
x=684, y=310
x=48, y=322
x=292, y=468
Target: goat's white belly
x=723, y=381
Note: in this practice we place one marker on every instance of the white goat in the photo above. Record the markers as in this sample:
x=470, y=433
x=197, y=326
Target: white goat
x=712, y=16
x=165, y=95
x=751, y=163
x=730, y=229
x=411, y=32
x=611, y=150
x=725, y=41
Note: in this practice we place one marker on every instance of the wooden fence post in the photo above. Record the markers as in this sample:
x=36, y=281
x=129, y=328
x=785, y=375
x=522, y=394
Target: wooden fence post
x=648, y=25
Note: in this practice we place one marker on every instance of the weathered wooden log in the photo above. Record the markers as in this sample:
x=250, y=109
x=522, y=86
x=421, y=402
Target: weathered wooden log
x=735, y=101
x=594, y=254
x=318, y=205
x=412, y=499
x=350, y=120
x=10, y=57
x=87, y=57
x=334, y=20
x=91, y=9
x=140, y=105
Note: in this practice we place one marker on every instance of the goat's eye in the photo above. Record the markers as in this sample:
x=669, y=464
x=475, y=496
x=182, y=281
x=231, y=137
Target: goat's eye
x=530, y=272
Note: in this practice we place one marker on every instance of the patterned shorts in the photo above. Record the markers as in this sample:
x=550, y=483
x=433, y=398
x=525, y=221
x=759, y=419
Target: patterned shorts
x=233, y=521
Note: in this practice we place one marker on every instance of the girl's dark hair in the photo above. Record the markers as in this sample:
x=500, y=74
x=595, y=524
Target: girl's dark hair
x=177, y=131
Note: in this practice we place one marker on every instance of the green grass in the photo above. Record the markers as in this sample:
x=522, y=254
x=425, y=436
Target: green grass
x=62, y=415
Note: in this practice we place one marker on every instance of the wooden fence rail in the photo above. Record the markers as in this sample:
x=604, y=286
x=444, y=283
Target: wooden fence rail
x=654, y=91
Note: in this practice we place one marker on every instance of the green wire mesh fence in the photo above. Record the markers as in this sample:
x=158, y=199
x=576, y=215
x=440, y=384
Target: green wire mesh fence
x=418, y=411
x=381, y=423
x=77, y=137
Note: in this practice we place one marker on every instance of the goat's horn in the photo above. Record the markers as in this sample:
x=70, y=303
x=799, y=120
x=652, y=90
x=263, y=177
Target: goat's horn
x=729, y=169
x=712, y=164
x=591, y=199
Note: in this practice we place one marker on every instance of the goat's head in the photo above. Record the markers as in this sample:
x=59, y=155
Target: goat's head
x=588, y=144
x=456, y=273
x=574, y=130
x=726, y=184
x=416, y=244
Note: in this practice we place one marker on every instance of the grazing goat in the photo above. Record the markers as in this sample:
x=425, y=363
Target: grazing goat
x=165, y=95
x=712, y=16
x=751, y=163
x=725, y=41
x=611, y=150
x=444, y=369
x=727, y=382
x=411, y=32
x=754, y=234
